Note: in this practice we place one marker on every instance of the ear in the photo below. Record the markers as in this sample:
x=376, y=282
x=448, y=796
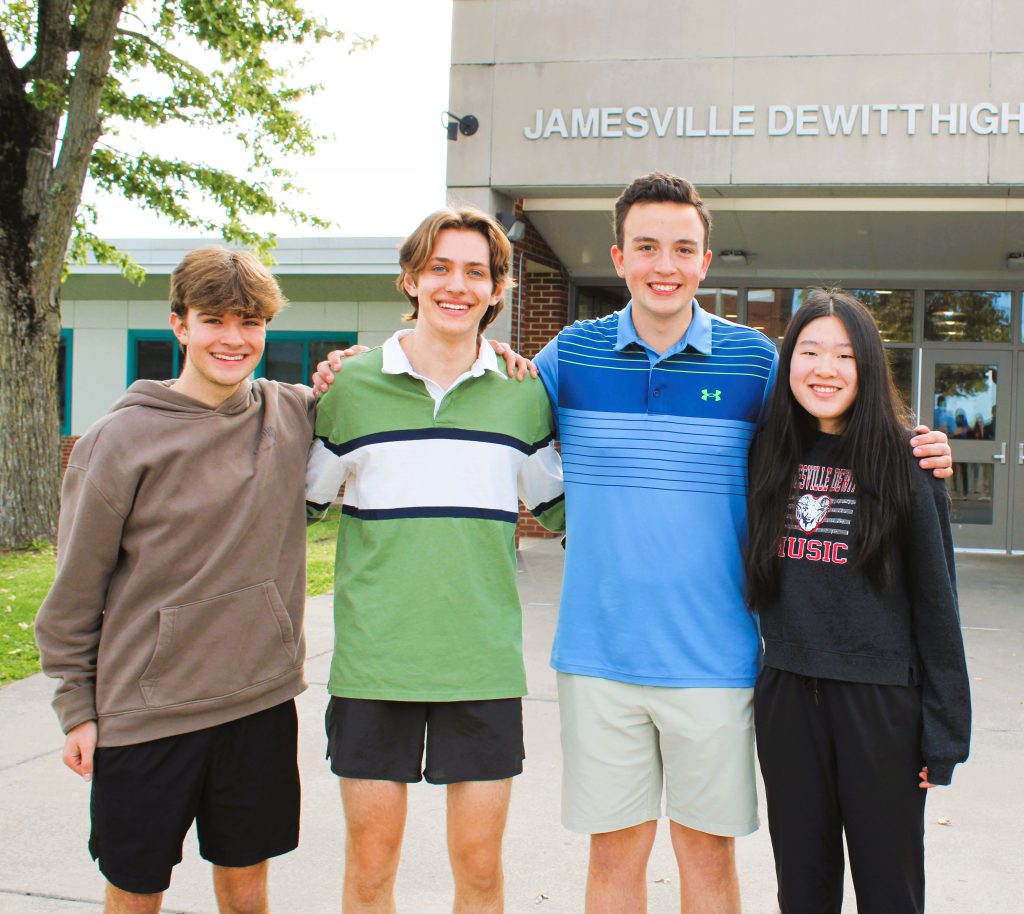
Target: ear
x=618, y=259
x=179, y=329
x=497, y=293
x=707, y=263
x=409, y=284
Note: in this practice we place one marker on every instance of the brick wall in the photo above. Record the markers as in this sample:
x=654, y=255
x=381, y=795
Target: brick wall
x=66, y=443
x=543, y=288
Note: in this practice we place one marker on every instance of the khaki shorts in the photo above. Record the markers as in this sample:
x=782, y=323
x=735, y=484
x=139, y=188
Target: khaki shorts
x=621, y=742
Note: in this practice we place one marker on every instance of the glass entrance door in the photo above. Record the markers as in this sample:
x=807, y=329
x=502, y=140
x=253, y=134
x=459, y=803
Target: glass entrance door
x=968, y=393
x=1016, y=461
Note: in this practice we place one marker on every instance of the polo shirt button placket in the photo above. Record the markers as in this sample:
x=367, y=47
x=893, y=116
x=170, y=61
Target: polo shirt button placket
x=653, y=401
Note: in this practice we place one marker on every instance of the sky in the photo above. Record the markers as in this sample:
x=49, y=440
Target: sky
x=384, y=168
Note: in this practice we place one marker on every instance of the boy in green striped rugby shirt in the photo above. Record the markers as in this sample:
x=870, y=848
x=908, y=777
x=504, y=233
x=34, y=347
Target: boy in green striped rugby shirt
x=434, y=445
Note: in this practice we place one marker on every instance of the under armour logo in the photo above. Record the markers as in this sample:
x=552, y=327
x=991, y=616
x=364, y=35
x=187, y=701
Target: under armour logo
x=706, y=394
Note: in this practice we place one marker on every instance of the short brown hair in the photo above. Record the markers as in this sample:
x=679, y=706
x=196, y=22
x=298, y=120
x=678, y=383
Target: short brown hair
x=216, y=281
x=660, y=187
x=416, y=250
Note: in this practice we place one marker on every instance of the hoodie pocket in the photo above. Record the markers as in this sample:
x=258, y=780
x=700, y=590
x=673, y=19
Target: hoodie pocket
x=219, y=646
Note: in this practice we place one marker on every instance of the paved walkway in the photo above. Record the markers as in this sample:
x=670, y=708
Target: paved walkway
x=975, y=862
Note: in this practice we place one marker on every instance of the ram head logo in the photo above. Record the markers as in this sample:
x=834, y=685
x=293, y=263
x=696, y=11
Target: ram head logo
x=811, y=511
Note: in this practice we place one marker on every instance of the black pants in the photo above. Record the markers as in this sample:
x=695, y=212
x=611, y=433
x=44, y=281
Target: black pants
x=834, y=756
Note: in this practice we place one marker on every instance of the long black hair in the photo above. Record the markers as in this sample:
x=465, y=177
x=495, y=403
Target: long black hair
x=873, y=445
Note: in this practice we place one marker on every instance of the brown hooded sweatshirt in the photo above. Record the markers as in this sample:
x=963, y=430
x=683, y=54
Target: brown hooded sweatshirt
x=181, y=568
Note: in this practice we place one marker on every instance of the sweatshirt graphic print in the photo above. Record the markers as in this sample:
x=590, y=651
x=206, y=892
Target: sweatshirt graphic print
x=821, y=514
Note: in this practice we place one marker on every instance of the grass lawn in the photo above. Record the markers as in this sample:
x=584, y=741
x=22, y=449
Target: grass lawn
x=26, y=575
x=320, y=541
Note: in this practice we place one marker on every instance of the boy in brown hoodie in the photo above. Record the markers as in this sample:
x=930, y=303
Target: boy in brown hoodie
x=175, y=621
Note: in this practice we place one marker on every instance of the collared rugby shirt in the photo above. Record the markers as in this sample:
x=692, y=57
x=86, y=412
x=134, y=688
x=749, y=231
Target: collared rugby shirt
x=426, y=607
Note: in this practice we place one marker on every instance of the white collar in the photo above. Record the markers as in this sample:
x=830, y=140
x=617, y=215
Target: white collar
x=395, y=361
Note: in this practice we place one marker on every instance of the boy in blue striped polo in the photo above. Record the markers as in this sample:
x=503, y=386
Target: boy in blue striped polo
x=434, y=445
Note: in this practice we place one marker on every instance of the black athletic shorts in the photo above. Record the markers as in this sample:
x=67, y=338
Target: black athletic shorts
x=238, y=781
x=465, y=740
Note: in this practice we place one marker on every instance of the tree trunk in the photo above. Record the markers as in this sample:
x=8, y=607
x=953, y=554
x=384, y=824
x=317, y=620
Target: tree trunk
x=29, y=424
x=40, y=201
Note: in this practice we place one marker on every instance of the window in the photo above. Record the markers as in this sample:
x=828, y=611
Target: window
x=152, y=354
x=901, y=363
x=961, y=317
x=893, y=310
x=64, y=381
x=723, y=302
x=292, y=356
x=597, y=301
x=769, y=310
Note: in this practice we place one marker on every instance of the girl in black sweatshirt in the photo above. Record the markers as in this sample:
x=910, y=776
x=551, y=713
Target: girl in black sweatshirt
x=863, y=701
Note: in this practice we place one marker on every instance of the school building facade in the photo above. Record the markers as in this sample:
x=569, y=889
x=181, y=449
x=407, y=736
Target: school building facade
x=877, y=146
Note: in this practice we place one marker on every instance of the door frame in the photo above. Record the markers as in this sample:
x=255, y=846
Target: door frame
x=1016, y=461
x=994, y=536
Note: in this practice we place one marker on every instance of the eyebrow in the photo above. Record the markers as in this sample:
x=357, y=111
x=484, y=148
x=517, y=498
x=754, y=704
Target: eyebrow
x=641, y=239
x=804, y=341
x=471, y=263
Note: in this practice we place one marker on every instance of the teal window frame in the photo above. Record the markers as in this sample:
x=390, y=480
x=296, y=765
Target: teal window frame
x=137, y=336
x=305, y=337
x=67, y=338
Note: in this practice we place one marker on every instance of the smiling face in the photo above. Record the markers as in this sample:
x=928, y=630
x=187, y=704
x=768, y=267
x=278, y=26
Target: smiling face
x=223, y=350
x=455, y=288
x=823, y=373
x=662, y=260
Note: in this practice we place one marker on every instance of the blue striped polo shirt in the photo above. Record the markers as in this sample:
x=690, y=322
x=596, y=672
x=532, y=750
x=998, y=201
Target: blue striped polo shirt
x=654, y=455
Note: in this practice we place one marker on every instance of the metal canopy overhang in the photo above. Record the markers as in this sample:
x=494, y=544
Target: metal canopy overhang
x=844, y=236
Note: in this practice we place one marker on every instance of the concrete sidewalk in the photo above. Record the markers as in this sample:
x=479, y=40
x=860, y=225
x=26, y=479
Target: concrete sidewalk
x=975, y=862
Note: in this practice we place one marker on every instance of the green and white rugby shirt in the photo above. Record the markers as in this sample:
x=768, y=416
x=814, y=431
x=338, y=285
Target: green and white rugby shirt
x=425, y=600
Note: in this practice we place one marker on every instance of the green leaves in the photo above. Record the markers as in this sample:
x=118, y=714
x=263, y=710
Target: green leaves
x=17, y=22
x=181, y=191
x=229, y=67
x=42, y=94
x=84, y=242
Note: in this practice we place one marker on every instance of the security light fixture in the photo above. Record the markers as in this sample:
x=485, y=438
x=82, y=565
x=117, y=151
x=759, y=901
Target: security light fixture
x=733, y=258
x=515, y=229
x=467, y=125
x=1015, y=260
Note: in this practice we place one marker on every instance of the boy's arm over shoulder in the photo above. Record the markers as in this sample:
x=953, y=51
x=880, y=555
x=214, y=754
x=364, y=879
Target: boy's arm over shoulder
x=90, y=527
x=327, y=466
x=541, y=487
x=547, y=364
x=933, y=447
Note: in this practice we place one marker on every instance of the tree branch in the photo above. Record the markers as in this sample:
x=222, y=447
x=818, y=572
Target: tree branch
x=162, y=51
x=50, y=61
x=83, y=128
x=8, y=68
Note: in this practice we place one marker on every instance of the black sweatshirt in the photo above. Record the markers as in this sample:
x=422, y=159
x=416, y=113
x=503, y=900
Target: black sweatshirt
x=830, y=622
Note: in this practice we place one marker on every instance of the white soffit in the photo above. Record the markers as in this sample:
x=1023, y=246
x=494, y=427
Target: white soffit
x=801, y=204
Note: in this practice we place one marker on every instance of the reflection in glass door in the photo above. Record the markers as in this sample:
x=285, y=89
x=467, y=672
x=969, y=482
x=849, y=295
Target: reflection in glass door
x=968, y=395
x=1016, y=461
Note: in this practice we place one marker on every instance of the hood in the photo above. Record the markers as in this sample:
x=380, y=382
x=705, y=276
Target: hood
x=159, y=395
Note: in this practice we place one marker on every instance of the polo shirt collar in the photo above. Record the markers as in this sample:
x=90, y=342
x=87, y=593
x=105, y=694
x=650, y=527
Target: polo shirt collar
x=395, y=361
x=697, y=336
